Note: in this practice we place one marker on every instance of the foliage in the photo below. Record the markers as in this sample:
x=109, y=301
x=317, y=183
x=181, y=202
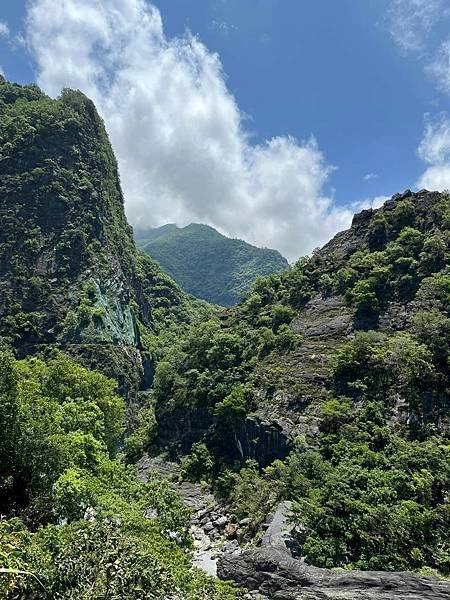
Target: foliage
x=253, y=494
x=197, y=465
x=372, y=500
x=76, y=521
x=69, y=270
x=207, y=264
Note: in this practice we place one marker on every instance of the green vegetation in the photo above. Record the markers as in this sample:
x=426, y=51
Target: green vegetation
x=70, y=275
x=371, y=490
x=374, y=495
x=349, y=348
x=76, y=521
x=207, y=264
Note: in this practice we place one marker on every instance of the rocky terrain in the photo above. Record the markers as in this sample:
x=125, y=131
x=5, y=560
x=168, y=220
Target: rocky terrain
x=273, y=573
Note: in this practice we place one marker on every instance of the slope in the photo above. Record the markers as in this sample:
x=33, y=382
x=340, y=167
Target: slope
x=333, y=377
x=207, y=264
x=70, y=275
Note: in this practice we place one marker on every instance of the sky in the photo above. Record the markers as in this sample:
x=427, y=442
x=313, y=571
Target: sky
x=271, y=120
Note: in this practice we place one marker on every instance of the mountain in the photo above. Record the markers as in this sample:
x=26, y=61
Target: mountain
x=70, y=275
x=332, y=379
x=75, y=293
x=206, y=263
x=310, y=423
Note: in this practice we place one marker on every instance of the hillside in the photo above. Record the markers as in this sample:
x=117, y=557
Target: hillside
x=76, y=521
x=321, y=398
x=70, y=275
x=206, y=263
x=333, y=379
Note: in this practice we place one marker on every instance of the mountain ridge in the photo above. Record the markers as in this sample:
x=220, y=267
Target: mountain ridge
x=325, y=390
x=208, y=264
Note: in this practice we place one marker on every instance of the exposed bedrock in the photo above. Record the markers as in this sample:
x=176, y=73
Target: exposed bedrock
x=275, y=574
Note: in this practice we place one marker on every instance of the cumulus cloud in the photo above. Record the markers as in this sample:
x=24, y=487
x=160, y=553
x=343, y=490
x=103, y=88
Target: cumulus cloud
x=435, y=150
x=4, y=29
x=176, y=129
x=411, y=21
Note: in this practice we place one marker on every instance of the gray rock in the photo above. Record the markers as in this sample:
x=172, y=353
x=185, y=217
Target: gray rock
x=275, y=574
x=208, y=527
x=231, y=547
x=278, y=533
x=221, y=521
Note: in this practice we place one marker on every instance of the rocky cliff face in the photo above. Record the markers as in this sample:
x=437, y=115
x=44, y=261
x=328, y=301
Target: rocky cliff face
x=70, y=276
x=294, y=386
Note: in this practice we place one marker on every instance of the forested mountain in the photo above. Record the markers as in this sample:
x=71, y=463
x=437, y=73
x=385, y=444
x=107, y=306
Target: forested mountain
x=206, y=263
x=333, y=379
x=326, y=389
x=73, y=288
x=70, y=275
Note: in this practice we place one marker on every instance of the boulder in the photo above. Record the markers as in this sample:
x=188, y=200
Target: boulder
x=275, y=574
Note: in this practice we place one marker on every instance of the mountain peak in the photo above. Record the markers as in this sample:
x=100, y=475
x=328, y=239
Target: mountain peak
x=208, y=264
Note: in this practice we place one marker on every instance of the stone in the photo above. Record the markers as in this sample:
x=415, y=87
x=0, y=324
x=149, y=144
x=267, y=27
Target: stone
x=231, y=547
x=231, y=530
x=221, y=521
x=245, y=522
x=275, y=574
x=208, y=527
x=279, y=530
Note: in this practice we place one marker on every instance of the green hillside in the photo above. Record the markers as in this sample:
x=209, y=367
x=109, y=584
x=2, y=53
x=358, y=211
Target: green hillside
x=75, y=291
x=206, y=263
x=325, y=390
x=332, y=378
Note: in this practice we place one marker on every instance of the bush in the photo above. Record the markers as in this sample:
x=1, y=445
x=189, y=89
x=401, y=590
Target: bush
x=197, y=465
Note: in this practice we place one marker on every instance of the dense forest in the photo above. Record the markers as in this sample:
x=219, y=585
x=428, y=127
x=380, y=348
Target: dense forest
x=206, y=263
x=349, y=351
x=327, y=386
x=79, y=304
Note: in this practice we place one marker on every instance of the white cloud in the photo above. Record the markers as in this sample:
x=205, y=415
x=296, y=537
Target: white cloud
x=435, y=178
x=176, y=129
x=4, y=29
x=439, y=68
x=411, y=21
x=435, y=145
x=370, y=176
x=434, y=149
x=375, y=202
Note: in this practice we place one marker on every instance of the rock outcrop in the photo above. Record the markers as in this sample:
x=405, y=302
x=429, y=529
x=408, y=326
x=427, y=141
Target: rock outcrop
x=275, y=574
x=271, y=571
x=70, y=274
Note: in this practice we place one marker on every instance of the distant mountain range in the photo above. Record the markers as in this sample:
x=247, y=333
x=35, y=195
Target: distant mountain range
x=206, y=263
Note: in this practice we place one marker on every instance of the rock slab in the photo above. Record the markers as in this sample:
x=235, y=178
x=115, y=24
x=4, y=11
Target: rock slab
x=275, y=574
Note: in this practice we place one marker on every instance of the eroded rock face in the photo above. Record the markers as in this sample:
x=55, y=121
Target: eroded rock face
x=274, y=573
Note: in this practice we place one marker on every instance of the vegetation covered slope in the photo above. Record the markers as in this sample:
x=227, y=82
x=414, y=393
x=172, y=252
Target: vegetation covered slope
x=334, y=378
x=76, y=522
x=70, y=276
x=207, y=264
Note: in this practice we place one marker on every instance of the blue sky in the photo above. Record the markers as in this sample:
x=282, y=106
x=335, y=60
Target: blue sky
x=358, y=75
x=323, y=67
